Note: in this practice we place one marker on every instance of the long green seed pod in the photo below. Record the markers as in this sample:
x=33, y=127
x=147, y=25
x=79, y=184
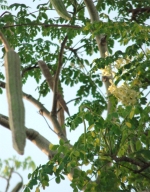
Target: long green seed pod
x=15, y=103
x=61, y=9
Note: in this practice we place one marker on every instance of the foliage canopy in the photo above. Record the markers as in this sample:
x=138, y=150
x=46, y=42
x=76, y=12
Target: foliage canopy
x=116, y=146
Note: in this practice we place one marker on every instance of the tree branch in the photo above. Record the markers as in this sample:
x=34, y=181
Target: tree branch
x=130, y=160
x=137, y=11
x=102, y=44
x=74, y=50
x=5, y=13
x=8, y=180
x=61, y=117
x=34, y=136
x=45, y=112
x=68, y=103
x=28, y=69
x=56, y=77
x=45, y=70
x=43, y=25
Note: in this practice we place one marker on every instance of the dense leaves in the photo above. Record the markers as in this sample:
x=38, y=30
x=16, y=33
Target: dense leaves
x=114, y=149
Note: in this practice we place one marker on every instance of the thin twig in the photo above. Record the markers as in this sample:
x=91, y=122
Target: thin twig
x=19, y=175
x=8, y=180
x=26, y=69
x=4, y=13
x=68, y=103
x=43, y=25
x=134, y=171
x=48, y=124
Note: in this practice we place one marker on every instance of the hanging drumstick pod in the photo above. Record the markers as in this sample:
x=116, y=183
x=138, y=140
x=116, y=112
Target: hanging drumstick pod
x=14, y=96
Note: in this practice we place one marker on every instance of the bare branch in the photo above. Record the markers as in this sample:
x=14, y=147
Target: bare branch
x=45, y=112
x=19, y=175
x=8, y=180
x=43, y=25
x=34, y=136
x=68, y=103
x=130, y=160
x=28, y=69
x=56, y=77
x=5, y=13
x=45, y=70
x=138, y=11
x=61, y=117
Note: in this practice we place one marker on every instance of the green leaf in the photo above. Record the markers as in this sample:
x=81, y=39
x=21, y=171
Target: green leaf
x=61, y=142
x=57, y=180
x=53, y=147
x=29, y=175
x=76, y=153
x=37, y=189
x=128, y=124
x=146, y=154
x=27, y=189
x=132, y=113
x=138, y=145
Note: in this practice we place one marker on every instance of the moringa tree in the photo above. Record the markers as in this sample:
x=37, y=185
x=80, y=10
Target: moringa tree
x=87, y=45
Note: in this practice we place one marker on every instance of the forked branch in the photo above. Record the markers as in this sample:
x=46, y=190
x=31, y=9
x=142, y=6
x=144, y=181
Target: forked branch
x=45, y=112
x=45, y=70
x=56, y=77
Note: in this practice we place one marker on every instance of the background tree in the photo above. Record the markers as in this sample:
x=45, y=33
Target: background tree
x=65, y=50
x=10, y=167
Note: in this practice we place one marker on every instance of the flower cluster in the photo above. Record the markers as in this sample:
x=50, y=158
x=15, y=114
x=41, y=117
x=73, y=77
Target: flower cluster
x=106, y=71
x=121, y=62
x=124, y=93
